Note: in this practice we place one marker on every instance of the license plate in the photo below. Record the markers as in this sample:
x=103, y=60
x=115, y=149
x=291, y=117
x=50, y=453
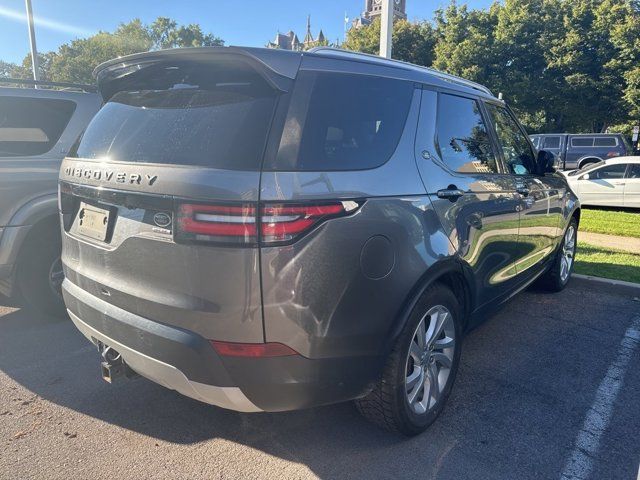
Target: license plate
x=93, y=222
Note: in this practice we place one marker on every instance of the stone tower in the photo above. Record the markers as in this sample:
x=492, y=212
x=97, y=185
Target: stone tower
x=373, y=9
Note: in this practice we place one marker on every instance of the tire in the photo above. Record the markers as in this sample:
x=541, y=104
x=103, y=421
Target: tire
x=558, y=276
x=389, y=405
x=39, y=273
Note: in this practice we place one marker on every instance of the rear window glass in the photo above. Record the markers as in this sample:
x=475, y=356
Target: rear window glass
x=605, y=142
x=343, y=122
x=582, y=142
x=186, y=114
x=551, y=142
x=32, y=126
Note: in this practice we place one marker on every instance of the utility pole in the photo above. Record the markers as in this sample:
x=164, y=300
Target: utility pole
x=32, y=42
x=386, y=28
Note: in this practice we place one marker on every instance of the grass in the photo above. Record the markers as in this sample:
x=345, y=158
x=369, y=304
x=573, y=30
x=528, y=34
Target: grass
x=610, y=222
x=607, y=263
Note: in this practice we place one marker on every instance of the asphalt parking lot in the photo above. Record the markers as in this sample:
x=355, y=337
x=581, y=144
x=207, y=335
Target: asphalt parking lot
x=548, y=388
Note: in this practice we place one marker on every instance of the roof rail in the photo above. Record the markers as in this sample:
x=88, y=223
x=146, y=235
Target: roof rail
x=410, y=66
x=39, y=83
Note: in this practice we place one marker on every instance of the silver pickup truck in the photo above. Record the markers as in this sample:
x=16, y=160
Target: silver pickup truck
x=38, y=128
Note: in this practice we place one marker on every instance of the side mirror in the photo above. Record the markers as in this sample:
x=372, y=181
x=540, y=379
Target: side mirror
x=585, y=177
x=545, y=162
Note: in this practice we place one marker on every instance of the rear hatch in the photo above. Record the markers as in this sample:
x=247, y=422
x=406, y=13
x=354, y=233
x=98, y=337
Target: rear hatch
x=159, y=201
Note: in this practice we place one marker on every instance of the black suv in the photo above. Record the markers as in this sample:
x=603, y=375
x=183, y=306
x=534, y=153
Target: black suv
x=268, y=230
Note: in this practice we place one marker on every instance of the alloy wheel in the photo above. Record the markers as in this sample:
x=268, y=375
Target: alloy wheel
x=430, y=359
x=568, y=252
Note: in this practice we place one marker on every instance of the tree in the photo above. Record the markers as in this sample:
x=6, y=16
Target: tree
x=165, y=33
x=412, y=42
x=75, y=61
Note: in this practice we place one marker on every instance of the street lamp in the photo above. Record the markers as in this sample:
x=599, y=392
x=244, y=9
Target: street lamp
x=32, y=42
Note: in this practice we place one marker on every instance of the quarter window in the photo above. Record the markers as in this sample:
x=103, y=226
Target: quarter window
x=605, y=142
x=343, y=122
x=32, y=126
x=515, y=146
x=463, y=140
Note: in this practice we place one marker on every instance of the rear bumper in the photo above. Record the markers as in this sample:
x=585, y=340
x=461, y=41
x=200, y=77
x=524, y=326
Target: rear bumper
x=184, y=361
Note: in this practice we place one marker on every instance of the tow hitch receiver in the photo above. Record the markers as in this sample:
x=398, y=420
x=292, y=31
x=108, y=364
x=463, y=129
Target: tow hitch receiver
x=113, y=365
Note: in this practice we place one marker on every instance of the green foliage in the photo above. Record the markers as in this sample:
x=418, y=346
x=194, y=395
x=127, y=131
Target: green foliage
x=412, y=41
x=562, y=65
x=75, y=61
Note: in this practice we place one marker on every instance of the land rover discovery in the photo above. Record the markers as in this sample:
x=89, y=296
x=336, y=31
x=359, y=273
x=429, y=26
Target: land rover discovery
x=269, y=230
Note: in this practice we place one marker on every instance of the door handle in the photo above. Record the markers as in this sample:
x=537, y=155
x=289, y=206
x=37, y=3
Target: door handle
x=450, y=193
x=524, y=191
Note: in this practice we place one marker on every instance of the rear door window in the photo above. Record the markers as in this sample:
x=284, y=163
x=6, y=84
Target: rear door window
x=582, y=142
x=462, y=136
x=186, y=114
x=341, y=121
x=32, y=126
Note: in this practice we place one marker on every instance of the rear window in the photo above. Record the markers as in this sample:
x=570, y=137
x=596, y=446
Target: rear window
x=343, y=122
x=32, y=126
x=186, y=114
x=605, y=142
x=582, y=142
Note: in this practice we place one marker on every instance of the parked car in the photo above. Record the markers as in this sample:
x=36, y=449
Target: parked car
x=579, y=150
x=268, y=230
x=37, y=129
x=613, y=183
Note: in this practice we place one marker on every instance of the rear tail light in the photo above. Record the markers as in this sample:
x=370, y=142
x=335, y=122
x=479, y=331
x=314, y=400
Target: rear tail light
x=247, y=225
x=612, y=154
x=253, y=350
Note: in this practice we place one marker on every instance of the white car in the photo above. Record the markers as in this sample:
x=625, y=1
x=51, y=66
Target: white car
x=614, y=183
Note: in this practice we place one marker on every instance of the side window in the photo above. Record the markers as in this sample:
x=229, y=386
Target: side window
x=341, y=121
x=551, y=142
x=611, y=172
x=32, y=126
x=517, y=151
x=582, y=141
x=605, y=142
x=463, y=139
x=634, y=171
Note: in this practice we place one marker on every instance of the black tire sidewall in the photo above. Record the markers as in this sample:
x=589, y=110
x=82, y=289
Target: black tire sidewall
x=40, y=252
x=412, y=423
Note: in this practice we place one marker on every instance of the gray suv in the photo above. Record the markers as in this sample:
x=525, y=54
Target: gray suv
x=37, y=129
x=267, y=230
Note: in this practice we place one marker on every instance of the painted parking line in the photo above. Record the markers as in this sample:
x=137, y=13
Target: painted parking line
x=580, y=464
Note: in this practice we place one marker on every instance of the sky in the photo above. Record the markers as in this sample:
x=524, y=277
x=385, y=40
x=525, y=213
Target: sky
x=238, y=22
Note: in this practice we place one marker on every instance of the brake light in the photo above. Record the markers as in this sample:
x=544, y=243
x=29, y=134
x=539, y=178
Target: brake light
x=276, y=223
x=254, y=350
x=224, y=223
x=612, y=154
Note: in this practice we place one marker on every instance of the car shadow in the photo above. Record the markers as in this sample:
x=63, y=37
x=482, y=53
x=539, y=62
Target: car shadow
x=515, y=394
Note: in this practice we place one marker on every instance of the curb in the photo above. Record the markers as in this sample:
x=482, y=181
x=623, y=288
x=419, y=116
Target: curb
x=608, y=281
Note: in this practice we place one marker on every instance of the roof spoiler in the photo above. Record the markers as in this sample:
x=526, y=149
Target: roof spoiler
x=276, y=66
